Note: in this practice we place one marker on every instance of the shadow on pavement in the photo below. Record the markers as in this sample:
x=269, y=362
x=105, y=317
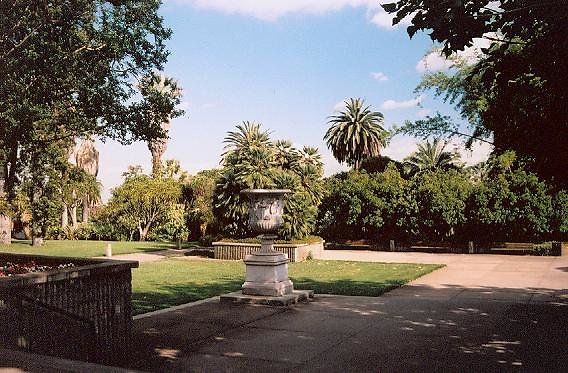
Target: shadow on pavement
x=420, y=328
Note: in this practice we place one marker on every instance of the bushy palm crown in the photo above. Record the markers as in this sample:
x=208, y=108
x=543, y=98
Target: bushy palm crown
x=355, y=133
x=248, y=136
x=429, y=157
x=252, y=160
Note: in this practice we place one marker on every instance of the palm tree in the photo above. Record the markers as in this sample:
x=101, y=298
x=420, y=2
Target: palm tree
x=430, y=156
x=161, y=86
x=356, y=133
x=87, y=159
x=248, y=136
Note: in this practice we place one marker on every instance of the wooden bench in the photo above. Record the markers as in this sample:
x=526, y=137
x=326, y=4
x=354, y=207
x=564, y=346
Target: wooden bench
x=519, y=245
x=515, y=248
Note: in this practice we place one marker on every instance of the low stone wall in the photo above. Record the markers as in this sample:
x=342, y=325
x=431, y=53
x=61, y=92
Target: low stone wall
x=81, y=313
x=238, y=251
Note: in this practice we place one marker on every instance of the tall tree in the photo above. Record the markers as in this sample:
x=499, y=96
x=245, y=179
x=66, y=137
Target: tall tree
x=356, y=133
x=514, y=90
x=87, y=159
x=162, y=95
x=67, y=68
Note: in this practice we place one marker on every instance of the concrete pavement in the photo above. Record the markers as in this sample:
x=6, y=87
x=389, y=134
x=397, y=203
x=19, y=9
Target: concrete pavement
x=479, y=313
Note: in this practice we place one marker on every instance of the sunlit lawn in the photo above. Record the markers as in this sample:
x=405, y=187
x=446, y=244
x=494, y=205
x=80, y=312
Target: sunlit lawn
x=82, y=249
x=170, y=282
x=174, y=281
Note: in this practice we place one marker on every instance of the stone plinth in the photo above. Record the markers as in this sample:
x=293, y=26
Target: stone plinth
x=267, y=275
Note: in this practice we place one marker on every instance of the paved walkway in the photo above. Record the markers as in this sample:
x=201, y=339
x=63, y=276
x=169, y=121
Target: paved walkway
x=479, y=313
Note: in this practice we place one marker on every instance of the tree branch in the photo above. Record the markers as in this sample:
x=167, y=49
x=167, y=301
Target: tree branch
x=504, y=41
x=471, y=137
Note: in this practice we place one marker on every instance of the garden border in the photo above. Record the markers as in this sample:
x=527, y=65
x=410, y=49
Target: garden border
x=296, y=252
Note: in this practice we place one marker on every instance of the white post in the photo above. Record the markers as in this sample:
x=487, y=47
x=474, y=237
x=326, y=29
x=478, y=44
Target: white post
x=108, y=249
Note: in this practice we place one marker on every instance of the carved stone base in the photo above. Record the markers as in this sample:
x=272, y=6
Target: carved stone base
x=267, y=275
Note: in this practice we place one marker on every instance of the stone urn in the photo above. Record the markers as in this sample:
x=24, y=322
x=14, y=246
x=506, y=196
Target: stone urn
x=266, y=207
x=267, y=269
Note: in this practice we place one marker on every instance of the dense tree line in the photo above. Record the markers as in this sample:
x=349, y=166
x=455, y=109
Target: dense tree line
x=506, y=203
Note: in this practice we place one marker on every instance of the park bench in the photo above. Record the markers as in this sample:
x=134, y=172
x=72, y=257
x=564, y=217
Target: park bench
x=515, y=248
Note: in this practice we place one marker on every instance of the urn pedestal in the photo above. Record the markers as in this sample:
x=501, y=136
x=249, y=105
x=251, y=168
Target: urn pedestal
x=266, y=280
x=267, y=271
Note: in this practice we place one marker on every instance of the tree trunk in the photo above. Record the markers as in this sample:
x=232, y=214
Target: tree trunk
x=37, y=236
x=85, y=210
x=143, y=232
x=65, y=216
x=10, y=172
x=74, y=210
x=156, y=165
x=74, y=216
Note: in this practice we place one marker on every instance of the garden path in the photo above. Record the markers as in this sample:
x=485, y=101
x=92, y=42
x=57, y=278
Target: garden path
x=479, y=313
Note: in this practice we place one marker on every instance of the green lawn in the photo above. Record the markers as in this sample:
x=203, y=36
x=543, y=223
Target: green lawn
x=170, y=282
x=83, y=249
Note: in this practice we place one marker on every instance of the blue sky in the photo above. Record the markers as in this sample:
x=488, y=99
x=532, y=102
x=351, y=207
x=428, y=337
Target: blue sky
x=286, y=64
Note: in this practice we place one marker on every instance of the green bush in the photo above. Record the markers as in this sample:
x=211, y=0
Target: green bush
x=441, y=197
x=511, y=205
x=252, y=160
x=256, y=240
x=506, y=203
x=361, y=205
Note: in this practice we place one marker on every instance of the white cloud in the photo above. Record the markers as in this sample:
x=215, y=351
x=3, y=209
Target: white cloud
x=479, y=151
x=379, y=76
x=473, y=54
x=435, y=61
x=339, y=105
x=400, y=147
x=393, y=105
x=423, y=113
x=270, y=10
x=384, y=20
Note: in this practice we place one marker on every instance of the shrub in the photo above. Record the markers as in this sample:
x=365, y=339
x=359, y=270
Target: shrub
x=513, y=205
x=360, y=205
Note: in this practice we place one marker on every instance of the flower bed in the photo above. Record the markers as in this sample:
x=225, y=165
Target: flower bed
x=20, y=267
x=67, y=307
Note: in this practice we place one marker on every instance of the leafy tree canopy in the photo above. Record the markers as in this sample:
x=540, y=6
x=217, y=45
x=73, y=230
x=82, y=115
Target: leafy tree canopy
x=514, y=93
x=67, y=69
x=143, y=203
